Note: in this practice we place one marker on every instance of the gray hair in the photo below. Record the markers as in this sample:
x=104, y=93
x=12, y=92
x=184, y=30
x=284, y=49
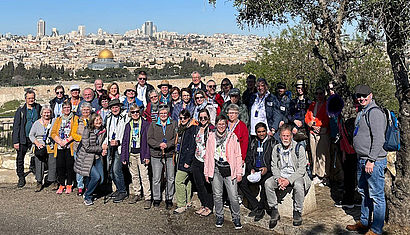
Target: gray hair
x=152, y=91
x=85, y=105
x=44, y=107
x=195, y=72
x=233, y=107
x=134, y=107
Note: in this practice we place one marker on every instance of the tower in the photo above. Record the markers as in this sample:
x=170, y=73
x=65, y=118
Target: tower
x=81, y=30
x=41, y=28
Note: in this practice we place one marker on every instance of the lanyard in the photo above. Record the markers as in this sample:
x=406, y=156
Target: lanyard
x=233, y=127
x=164, y=128
x=261, y=101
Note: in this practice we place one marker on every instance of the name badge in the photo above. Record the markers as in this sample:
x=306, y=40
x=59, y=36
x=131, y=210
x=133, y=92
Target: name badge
x=282, y=108
x=259, y=149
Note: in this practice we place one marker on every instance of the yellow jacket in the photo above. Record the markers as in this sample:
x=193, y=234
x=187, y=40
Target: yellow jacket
x=74, y=127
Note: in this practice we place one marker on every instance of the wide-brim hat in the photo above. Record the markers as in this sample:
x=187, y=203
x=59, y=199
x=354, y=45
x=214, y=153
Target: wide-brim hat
x=74, y=87
x=164, y=83
x=114, y=102
x=130, y=88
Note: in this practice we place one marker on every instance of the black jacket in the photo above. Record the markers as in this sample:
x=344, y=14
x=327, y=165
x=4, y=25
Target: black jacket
x=20, y=119
x=202, y=86
x=250, y=159
x=53, y=104
x=187, y=148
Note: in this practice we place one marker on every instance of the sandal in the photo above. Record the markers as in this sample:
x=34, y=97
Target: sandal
x=200, y=211
x=206, y=212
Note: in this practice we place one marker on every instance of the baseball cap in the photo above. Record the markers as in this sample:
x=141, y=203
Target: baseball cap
x=362, y=89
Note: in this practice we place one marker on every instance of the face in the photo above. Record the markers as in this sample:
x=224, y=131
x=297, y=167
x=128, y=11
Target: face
x=98, y=122
x=47, y=114
x=142, y=79
x=114, y=90
x=211, y=87
x=175, y=95
x=233, y=115
x=98, y=85
x=299, y=90
x=163, y=115
x=199, y=98
x=85, y=112
x=130, y=94
x=153, y=97
x=250, y=83
x=196, y=78
x=286, y=137
x=320, y=95
x=203, y=118
x=183, y=120
x=226, y=86
x=261, y=133
x=66, y=109
x=30, y=98
x=234, y=99
x=75, y=93
x=104, y=104
x=164, y=90
x=135, y=114
x=186, y=97
x=221, y=126
x=115, y=109
x=364, y=99
x=59, y=93
x=262, y=88
x=331, y=90
x=281, y=91
x=88, y=95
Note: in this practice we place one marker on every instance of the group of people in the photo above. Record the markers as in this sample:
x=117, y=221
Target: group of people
x=173, y=141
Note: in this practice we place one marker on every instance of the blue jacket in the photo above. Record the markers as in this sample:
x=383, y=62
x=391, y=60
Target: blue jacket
x=298, y=108
x=269, y=109
x=281, y=106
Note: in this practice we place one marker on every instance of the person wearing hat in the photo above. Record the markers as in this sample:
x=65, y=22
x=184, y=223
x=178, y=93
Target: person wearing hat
x=368, y=140
x=75, y=98
x=235, y=98
x=165, y=96
x=258, y=170
x=262, y=109
x=281, y=106
x=115, y=123
x=298, y=108
x=288, y=174
x=57, y=102
x=130, y=98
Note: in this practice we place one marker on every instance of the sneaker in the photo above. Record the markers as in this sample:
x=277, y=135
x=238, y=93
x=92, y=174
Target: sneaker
x=168, y=204
x=157, y=203
x=39, y=187
x=237, y=223
x=60, y=189
x=69, y=189
x=219, y=222
x=134, y=199
x=80, y=192
x=147, y=204
x=88, y=202
x=297, y=218
x=260, y=213
x=274, y=218
x=180, y=210
x=21, y=182
x=120, y=197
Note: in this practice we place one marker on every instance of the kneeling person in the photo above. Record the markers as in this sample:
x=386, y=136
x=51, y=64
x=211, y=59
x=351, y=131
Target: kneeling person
x=289, y=172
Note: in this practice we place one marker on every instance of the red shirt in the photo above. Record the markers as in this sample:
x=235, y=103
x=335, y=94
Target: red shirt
x=241, y=131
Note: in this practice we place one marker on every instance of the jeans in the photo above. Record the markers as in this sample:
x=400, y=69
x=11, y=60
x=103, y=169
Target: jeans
x=157, y=166
x=231, y=187
x=298, y=193
x=204, y=189
x=79, y=178
x=183, y=188
x=96, y=177
x=117, y=174
x=371, y=188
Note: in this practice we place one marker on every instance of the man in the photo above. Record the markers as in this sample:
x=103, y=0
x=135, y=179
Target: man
x=143, y=88
x=298, y=107
x=288, y=173
x=115, y=124
x=368, y=140
x=235, y=98
x=99, y=90
x=281, y=106
x=196, y=83
x=261, y=109
x=57, y=102
x=164, y=97
x=23, y=121
x=250, y=90
x=88, y=96
x=214, y=98
x=258, y=170
x=75, y=98
x=130, y=99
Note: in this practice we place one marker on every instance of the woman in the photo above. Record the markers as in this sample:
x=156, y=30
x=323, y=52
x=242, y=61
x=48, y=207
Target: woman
x=201, y=103
x=89, y=162
x=223, y=163
x=63, y=135
x=113, y=91
x=235, y=98
x=151, y=112
x=175, y=97
x=40, y=136
x=161, y=140
x=78, y=132
x=135, y=152
x=204, y=189
x=226, y=86
x=186, y=103
x=186, y=147
x=103, y=102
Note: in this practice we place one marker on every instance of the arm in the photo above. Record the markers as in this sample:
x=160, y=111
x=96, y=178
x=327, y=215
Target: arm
x=54, y=130
x=377, y=123
x=16, y=126
x=32, y=135
x=74, y=129
x=152, y=142
x=125, y=143
x=274, y=163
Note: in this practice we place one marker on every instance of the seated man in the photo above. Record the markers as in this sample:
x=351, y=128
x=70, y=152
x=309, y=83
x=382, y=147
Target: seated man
x=288, y=172
x=258, y=169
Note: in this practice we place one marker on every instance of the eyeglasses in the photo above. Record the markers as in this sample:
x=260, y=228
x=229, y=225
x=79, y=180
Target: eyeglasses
x=142, y=79
x=225, y=84
x=134, y=112
x=183, y=118
x=163, y=106
x=59, y=92
x=199, y=97
x=203, y=118
x=212, y=86
x=154, y=96
x=361, y=96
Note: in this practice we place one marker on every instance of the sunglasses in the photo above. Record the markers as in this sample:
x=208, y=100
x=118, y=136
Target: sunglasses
x=134, y=112
x=226, y=84
x=203, y=118
x=361, y=96
x=163, y=106
x=199, y=97
x=59, y=92
x=183, y=118
x=142, y=79
x=154, y=96
x=212, y=86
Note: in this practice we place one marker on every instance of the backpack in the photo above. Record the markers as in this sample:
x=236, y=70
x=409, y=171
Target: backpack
x=392, y=133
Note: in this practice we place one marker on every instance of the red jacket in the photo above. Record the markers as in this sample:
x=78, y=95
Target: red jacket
x=241, y=131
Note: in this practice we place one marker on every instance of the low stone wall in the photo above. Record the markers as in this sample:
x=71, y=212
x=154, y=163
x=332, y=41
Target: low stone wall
x=8, y=166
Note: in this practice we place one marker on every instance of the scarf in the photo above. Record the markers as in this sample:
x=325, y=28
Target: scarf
x=221, y=137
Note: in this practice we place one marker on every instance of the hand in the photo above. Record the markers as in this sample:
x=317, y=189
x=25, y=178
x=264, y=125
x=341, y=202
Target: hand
x=311, y=123
x=146, y=161
x=369, y=167
x=294, y=130
x=238, y=178
x=298, y=123
x=61, y=143
x=163, y=145
x=16, y=146
x=207, y=179
x=316, y=129
x=105, y=147
x=284, y=183
x=186, y=165
x=281, y=123
x=252, y=171
x=124, y=162
x=272, y=132
x=104, y=152
x=113, y=143
x=264, y=170
x=39, y=145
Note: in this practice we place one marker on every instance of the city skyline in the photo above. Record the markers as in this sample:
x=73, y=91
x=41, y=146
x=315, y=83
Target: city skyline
x=178, y=16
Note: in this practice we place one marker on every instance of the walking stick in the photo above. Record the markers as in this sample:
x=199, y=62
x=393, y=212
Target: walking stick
x=165, y=170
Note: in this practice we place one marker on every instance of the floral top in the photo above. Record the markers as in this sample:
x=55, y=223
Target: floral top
x=200, y=147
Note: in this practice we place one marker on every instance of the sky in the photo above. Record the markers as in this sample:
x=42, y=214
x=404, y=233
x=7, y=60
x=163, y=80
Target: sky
x=117, y=16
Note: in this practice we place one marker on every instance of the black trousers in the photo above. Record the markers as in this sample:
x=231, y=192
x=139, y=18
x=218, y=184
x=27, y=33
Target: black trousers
x=23, y=148
x=65, y=164
x=204, y=189
x=350, y=175
x=247, y=192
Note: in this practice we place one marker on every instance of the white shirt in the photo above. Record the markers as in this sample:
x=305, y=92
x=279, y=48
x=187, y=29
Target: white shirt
x=259, y=107
x=141, y=94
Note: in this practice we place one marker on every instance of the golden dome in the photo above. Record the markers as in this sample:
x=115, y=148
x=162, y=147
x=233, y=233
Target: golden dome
x=106, y=54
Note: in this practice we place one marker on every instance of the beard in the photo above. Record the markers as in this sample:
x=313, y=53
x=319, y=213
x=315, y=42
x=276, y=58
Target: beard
x=286, y=143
